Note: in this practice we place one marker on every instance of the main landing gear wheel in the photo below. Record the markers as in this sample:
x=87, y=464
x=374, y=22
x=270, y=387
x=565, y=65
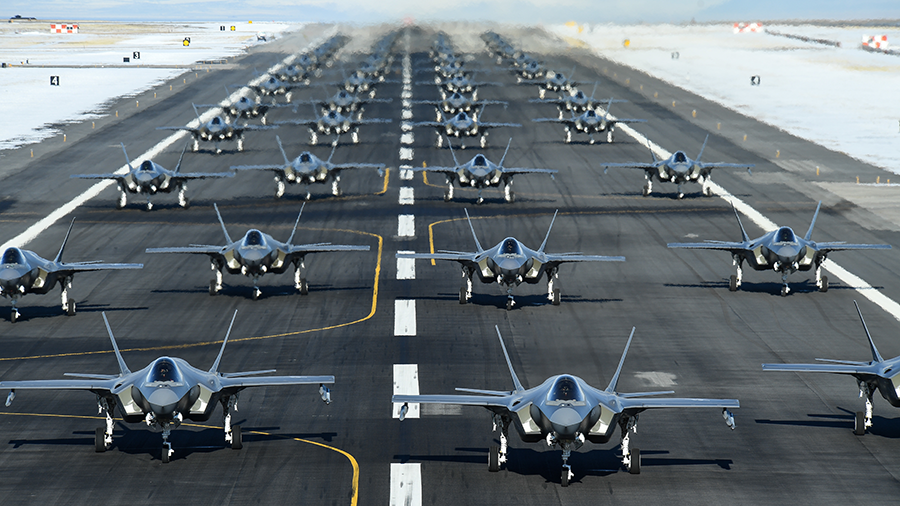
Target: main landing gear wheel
x=680, y=195
x=494, y=459
x=509, y=304
x=70, y=307
x=256, y=293
x=463, y=295
x=447, y=197
x=556, y=296
x=237, y=441
x=732, y=283
x=824, y=286
x=645, y=191
x=213, y=289
x=165, y=454
x=13, y=316
x=784, y=291
x=304, y=287
x=859, y=424
x=635, y=467
x=100, y=440
x=564, y=478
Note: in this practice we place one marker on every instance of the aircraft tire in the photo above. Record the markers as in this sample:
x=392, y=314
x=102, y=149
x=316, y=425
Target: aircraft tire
x=635, y=467
x=165, y=455
x=784, y=291
x=100, y=440
x=70, y=307
x=255, y=294
x=446, y=196
x=556, y=296
x=732, y=283
x=13, y=316
x=512, y=197
x=824, y=287
x=859, y=424
x=564, y=478
x=645, y=192
x=494, y=459
x=304, y=287
x=237, y=441
x=212, y=288
x=463, y=295
x=509, y=304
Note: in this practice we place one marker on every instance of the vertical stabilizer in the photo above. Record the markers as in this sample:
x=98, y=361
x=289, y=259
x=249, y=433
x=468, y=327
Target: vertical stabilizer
x=291, y=238
x=280, y=147
x=702, y=147
x=452, y=153
x=813, y=222
x=504, y=153
x=477, y=244
x=541, y=250
x=744, y=236
x=615, y=379
x=875, y=355
x=65, y=240
x=180, y=158
x=123, y=368
x=512, y=372
x=224, y=230
x=127, y=160
x=215, y=367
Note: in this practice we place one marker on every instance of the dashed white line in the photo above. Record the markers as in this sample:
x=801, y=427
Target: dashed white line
x=406, y=172
x=407, y=138
x=406, y=225
x=406, y=484
x=406, y=267
x=407, y=197
x=406, y=114
x=405, y=319
x=406, y=153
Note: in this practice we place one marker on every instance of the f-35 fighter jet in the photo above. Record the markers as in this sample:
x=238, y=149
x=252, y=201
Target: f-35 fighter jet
x=257, y=254
x=308, y=169
x=510, y=263
x=150, y=178
x=166, y=393
x=333, y=123
x=461, y=126
x=23, y=272
x=565, y=411
x=217, y=130
x=780, y=250
x=481, y=173
x=876, y=375
x=679, y=169
x=590, y=122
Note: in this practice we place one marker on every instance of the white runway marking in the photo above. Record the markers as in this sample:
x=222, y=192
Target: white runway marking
x=660, y=379
x=406, y=484
x=43, y=224
x=406, y=172
x=405, y=317
x=407, y=138
x=406, y=267
x=406, y=114
x=406, y=225
x=848, y=278
x=407, y=197
x=406, y=382
x=406, y=154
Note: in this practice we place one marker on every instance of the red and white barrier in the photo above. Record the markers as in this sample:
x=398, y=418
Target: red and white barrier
x=875, y=41
x=63, y=28
x=747, y=27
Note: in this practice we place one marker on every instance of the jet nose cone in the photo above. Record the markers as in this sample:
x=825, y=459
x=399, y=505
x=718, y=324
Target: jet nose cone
x=253, y=256
x=565, y=421
x=9, y=277
x=162, y=400
x=510, y=263
x=787, y=253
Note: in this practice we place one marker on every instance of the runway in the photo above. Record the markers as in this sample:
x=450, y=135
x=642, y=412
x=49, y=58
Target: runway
x=793, y=442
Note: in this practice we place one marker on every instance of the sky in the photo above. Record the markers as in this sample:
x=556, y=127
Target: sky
x=529, y=12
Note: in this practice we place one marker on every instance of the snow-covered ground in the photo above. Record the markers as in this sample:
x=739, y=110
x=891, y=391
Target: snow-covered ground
x=29, y=106
x=843, y=98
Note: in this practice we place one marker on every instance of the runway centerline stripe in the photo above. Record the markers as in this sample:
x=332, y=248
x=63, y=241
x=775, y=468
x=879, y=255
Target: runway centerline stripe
x=850, y=279
x=404, y=317
x=407, y=196
x=406, y=225
x=406, y=267
x=406, y=484
x=43, y=224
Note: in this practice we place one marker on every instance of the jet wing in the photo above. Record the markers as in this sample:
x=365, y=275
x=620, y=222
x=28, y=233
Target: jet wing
x=198, y=249
x=567, y=121
x=371, y=121
x=641, y=403
x=239, y=129
x=459, y=400
x=642, y=166
x=185, y=128
x=92, y=266
x=98, y=176
x=513, y=171
x=257, y=167
x=827, y=247
x=60, y=384
x=273, y=381
x=435, y=169
x=299, y=122
x=627, y=120
x=201, y=175
x=294, y=249
x=721, y=245
x=723, y=165
x=442, y=255
x=497, y=125
x=344, y=166
x=434, y=124
x=578, y=257
x=849, y=368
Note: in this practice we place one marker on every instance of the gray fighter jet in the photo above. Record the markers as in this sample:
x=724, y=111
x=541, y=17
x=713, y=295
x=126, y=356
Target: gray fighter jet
x=333, y=123
x=554, y=81
x=481, y=173
x=242, y=108
x=679, y=169
x=23, y=271
x=510, y=263
x=150, y=178
x=217, y=130
x=780, y=250
x=256, y=254
x=575, y=103
x=345, y=103
x=459, y=83
x=463, y=126
x=309, y=169
x=590, y=122
x=166, y=393
x=272, y=86
x=565, y=411
x=877, y=375
x=456, y=103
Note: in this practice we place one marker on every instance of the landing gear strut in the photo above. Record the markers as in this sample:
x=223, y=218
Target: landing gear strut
x=648, y=186
x=553, y=291
x=508, y=194
x=736, y=279
x=465, y=291
x=123, y=198
x=300, y=282
x=631, y=457
x=182, y=196
x=865, y=390
x=448, y=195
x=68, y=304
x=216, y=284
x=567, y=448
x=103, y=436
x=498, y=455
x=821, y=281
x=279, y=187
x=232, y=433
